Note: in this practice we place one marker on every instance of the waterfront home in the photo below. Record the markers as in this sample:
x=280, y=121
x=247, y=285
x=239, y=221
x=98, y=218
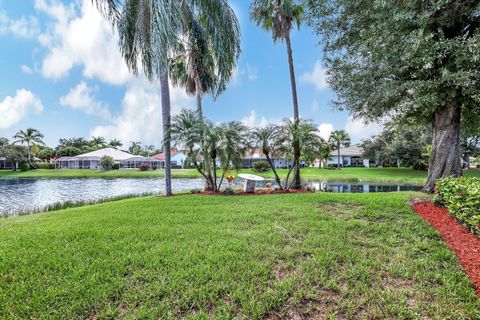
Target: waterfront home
x=91, y=160
x=178, y=158
x=4, y=164
x=256, y=155
x=349, y=157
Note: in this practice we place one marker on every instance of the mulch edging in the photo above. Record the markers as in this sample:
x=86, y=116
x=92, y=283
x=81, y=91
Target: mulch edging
x=463, y=243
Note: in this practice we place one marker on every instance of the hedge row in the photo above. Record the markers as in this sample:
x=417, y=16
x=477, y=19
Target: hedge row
x=461, y=196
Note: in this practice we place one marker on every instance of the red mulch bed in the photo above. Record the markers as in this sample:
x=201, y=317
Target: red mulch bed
x=465, y=245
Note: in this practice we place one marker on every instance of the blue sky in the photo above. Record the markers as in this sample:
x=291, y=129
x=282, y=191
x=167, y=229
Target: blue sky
x=62, y=74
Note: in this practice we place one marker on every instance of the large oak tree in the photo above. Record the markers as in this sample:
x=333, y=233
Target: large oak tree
x=418, y=59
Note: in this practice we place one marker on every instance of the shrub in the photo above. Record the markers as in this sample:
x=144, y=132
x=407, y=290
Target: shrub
x=333, y=165
x=116, y=166
x=143, y=167
x=229, y=192
x=420, y=164
x=260, y=166
x=461, y=196
x=43, y=165
x=24, y=166
x=107, y=163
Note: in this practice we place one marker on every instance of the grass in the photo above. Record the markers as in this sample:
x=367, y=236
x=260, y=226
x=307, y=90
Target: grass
x=403, y=175
x=194, y=256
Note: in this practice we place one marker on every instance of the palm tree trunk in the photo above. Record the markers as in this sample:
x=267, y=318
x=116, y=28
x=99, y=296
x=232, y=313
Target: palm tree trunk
x=298, y=181
x=165, y=91
x=272, y=165
x=199, y=94
x=338, y=157
x=292, y=78
x=29, y=154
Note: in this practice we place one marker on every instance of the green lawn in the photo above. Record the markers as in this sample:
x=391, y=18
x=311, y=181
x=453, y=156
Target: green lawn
x=247, y=257
x=353, y=174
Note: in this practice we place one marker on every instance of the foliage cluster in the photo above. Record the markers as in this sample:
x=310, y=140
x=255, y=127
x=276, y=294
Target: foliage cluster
x=461, y=196
x=107, y=163
x=260, y=166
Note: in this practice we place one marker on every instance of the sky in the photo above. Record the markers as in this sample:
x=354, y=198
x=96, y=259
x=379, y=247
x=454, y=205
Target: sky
x=62, y=73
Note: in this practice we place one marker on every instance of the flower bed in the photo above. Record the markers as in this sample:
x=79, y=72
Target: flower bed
x=464, y=244
x=461, y=196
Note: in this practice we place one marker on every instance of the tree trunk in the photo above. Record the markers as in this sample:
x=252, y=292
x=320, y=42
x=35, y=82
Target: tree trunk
x=298, y=181
x=272, y=166
x=445, y=159
x=199, y=94
x=296, y=116
x=165, y=91
x=338, y=158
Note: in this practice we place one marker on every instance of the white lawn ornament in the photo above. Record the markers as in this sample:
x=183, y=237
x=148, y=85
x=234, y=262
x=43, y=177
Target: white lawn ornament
x=250, y=181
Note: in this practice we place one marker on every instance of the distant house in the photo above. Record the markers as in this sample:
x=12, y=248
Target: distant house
x=256, y=155
x=349, y=157
x=177, y=157
x=4, y=164
x=91, y=160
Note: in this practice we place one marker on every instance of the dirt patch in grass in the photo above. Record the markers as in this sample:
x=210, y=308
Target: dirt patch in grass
x=464, y=244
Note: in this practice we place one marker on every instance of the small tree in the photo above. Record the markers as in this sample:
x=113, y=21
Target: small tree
x=107, y=163
x=339, y=139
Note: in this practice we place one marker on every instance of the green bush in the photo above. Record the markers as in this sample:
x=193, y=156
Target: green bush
x=421, y=165
x=107, y=163
x=43, y=165
x=261, y=166
x=461, y=196
x=24, y=167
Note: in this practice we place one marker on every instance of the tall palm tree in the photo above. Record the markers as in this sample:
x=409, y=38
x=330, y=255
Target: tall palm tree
x=279, y=17
x=149, y=32
x=199, y=68
x=29, y=137
x=339, y=139
x=135, y=148
x=115, y=143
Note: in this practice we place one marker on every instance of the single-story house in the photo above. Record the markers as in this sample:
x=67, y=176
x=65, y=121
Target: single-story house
x=4, y=164
x=257, y=155
x=91, y=160
x=349, y=157
x=177, y=158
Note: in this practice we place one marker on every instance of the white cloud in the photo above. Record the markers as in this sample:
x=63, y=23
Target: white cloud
x=14, y=109
x=141, y=116
x=82, y=97
x=253, y=121
x=325, y=129
x=26, y=69
x=252, y=72
x=317, y=77
x=358, y=129
x=85, y=39
x=24, y=27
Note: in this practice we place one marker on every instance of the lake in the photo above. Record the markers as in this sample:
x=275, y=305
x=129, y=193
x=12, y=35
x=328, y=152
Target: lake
x=17, y=195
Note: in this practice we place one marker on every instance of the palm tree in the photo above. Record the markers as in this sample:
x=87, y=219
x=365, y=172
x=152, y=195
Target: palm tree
x=339, y=139
x=199, y=68
x=115, y=143
x=97, y=142
x=29, y=137
x=149, y=32
x=279, y=17
x=324, y=149
x=135, y=148
x=265, y=139
x=295, y=135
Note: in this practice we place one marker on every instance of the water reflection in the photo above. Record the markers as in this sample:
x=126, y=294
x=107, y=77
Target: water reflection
x=362, y=187
x=18, y=195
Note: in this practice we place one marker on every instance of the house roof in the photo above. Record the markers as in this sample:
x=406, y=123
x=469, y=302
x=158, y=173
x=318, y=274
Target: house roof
x=140, y=158
x=354, y=150
x=117, y=155
x=160, y=156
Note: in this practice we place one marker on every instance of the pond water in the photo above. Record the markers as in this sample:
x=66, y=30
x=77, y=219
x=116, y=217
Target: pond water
x=17, y=195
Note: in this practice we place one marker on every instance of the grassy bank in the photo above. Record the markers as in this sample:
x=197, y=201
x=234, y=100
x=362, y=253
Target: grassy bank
x=351, y=174
x=317, y=255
